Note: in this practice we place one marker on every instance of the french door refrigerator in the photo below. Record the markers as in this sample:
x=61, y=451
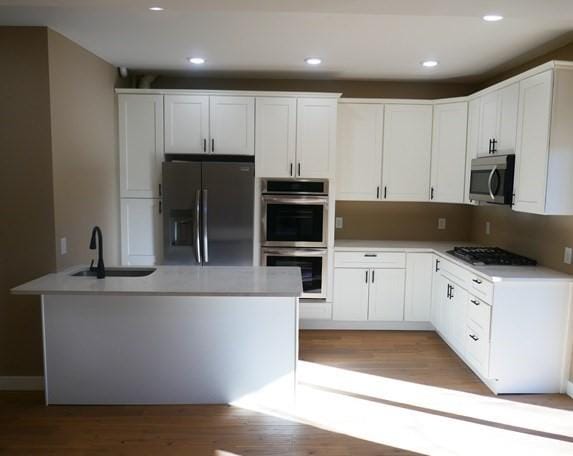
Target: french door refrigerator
x=208, y=213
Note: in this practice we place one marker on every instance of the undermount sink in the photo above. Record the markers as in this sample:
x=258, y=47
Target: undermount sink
x=117, y=272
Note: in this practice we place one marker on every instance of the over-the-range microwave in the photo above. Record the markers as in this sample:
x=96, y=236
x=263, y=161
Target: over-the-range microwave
x=491, y=179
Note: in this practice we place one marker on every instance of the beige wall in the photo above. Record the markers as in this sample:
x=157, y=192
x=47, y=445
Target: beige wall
x=403, y=221
x=84, y=150
x=26, y=203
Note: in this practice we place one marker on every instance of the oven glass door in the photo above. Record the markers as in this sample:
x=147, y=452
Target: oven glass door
x=294, y=222
x=312, y=267
x=488, y=185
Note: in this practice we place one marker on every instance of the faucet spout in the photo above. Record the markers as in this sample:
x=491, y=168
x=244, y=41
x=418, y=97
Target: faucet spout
x=97, y=236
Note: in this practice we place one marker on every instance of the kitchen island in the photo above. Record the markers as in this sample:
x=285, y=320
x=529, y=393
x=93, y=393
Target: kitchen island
x=180, y=335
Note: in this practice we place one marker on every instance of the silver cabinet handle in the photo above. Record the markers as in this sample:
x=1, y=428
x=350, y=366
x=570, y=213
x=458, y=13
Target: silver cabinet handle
x=299, y=169
x=291, y=169
x=366, y=277
x=212, y=144
x=473, y=301
x=204, y=144
x=478, y=281
x=474, y=337
x=196, y=226
x=371, y=255
x=373, y=270
x=204, y=223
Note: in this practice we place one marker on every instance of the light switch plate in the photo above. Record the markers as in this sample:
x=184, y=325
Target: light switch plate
x=441, y=223
x=567, y=255
x=63, y=246
x=339, y=223
x=487, y=228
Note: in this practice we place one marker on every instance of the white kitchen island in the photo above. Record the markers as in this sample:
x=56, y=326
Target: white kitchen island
x=182, y=335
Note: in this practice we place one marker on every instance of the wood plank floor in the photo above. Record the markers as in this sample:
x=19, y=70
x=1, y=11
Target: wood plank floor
x=28, y=427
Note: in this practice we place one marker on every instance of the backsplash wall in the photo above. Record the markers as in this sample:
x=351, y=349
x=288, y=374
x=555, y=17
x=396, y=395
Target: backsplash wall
x=403, y=221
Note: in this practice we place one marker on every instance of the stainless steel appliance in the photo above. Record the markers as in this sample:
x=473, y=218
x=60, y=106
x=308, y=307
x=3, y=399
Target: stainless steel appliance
x=490, y=256
x=208, y=212
x=491, y=179
x=294, y=213
x=312, y=264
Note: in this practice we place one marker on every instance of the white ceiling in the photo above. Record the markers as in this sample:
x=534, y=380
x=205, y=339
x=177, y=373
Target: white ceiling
x=357, y=39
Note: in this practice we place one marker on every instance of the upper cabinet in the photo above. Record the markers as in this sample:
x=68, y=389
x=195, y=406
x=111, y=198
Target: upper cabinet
x=407, y=151
x=359, y=151
x=498, y=121
x=296, y=143
x=209, y=124
x=472, y=144
x=544, y=155
x=140, y=145
x=449, y=152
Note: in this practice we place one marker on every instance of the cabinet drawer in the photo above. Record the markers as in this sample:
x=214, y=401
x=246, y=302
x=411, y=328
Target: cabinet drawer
x=479, y=314
x=481, y=288
x=365, y=259
x=457, y=273
x=477, y=349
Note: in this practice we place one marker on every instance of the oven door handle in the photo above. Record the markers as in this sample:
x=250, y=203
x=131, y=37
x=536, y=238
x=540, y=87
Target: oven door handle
x=295, y=252
x=489, y=180
x=296, y=200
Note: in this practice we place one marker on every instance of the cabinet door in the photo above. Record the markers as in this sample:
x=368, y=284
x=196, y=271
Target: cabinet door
x=350, y=294
x=472, y=143
x=140, y=145
x=507, y=124
x=488, y=124
x=359, y=151
x=407, y=150
x=232, y=125
x=316, y=137
x=457, y=324
x=439, y=296
x=275, y=143
x=533, y=142
x=419, y=275
x=449, y=152
x=386, y=301
x=140, y=231
x=186, y=124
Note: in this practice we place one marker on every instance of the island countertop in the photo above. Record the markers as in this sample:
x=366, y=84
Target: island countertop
x=174, y=281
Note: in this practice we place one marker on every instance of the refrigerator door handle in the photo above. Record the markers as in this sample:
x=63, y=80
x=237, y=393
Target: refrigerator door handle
x=196, y=227
x=204, y=223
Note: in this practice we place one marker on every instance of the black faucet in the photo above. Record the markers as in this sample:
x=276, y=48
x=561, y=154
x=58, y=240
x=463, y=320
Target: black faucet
x=100, y=268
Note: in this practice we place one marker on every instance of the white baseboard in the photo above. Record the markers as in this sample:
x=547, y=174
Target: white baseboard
x=20, y=383
x=570, y=389
x=367, y=325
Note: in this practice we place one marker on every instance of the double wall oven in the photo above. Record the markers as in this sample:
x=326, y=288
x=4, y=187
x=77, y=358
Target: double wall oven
x=294, y=229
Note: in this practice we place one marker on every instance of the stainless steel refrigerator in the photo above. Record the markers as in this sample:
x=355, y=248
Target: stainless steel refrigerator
x=208, y=213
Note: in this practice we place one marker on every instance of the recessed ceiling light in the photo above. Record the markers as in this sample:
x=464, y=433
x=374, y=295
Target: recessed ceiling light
x=156, y=8
x=492, y=17
x=429, y=63
x=313, y=61
x=196, y=60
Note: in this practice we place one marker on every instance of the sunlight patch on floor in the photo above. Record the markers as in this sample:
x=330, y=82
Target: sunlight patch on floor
x=324, y=401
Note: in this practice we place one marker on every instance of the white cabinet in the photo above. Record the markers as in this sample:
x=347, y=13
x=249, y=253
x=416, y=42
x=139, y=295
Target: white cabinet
x=275, y=144
x=544, y=156
x=140, y=231
x=407, y=150
x=232, y=125
x=419, y=274
x=186, y=124
x=140, y=145
x=316, y=137
x=386, y=298
x=472, y=146
x=359, y=151
x=350, y=294
x=449, y=152
x=498, y=121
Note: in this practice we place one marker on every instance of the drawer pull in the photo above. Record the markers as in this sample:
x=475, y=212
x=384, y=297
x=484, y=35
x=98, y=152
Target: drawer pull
x=473, y=301
x=478, y=281
x=370, y=255
x=474, y=337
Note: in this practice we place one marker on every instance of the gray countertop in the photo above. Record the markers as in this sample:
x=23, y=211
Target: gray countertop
x=492, y=273
x=177, y=281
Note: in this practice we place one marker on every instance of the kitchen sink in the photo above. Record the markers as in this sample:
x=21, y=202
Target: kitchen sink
x=117, y=272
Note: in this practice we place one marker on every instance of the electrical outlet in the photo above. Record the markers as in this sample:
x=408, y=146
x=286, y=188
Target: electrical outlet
x=63, y=246
x=487, y=228
x=441, y=223
x=339, y=223
x=568, y=255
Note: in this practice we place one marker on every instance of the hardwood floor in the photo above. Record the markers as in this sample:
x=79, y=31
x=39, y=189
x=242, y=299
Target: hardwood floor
x=419, y=358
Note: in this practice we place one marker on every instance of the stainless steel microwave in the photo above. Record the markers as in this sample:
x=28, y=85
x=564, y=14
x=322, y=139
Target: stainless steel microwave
x=491, y=179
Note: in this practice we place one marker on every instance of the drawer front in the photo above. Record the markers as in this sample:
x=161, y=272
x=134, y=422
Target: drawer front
x=477, y=349
x=481, y=288
x=365, y=259
x=479, y=313
x=460, y=275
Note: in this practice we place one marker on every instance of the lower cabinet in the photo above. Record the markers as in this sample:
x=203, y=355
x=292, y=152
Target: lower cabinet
x=140, y=231
x=386, y=296
x=351, y=289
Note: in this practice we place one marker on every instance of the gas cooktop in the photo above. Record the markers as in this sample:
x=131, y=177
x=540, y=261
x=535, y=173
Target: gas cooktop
x=490, y=256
